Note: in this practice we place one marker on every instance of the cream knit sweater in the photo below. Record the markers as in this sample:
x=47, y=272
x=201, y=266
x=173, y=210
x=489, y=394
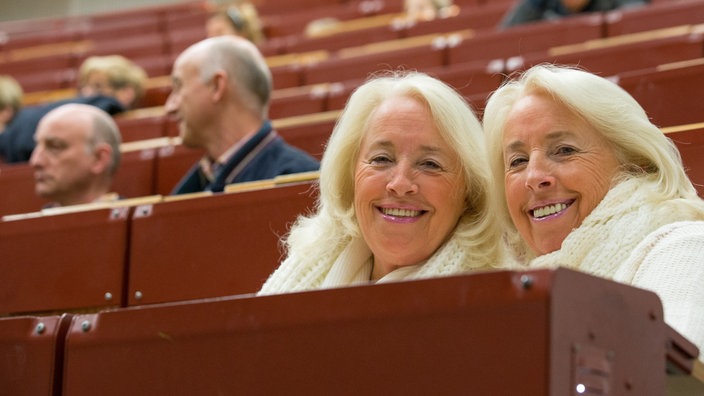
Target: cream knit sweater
x=623, y=240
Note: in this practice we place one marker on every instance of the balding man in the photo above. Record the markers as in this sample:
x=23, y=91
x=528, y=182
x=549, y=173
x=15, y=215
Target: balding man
x=77, y=153
x=220, y=98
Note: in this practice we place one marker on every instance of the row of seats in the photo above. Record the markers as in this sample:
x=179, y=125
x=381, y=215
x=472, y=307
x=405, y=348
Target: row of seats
x=149, y=249
x=487, y=43
x=378, y=339
x=155, y=166
x=130, y=263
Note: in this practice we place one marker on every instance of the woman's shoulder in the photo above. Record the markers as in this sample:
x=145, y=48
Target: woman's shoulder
x=691, y=229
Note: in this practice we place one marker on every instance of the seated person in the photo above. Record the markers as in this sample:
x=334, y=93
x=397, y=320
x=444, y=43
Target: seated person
x=220, y=99
x=537, y=10
x=10, y=100
x=591, y=184
x=114, y=76
x=427, y=10
x=415, y=11
x=77, y=154
x=405, y=192
x=240, y=19
x=111, y=83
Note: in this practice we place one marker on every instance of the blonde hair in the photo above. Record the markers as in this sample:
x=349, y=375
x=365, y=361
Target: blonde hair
x=335, y=223
x=11, y=93
x=244, y=19
x=120, y=71
x=641, y=147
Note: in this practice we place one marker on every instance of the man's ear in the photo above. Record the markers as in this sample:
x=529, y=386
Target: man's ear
x=219, y=85
x=102, y=155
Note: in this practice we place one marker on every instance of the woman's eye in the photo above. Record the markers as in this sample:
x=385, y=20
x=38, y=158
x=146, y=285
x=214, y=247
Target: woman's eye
x=380, y=160
x=431, y=165
x=565, y=150
x=516, y=162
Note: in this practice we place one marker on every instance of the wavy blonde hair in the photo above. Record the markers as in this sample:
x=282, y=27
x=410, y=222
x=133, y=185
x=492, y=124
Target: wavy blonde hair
x=334, y=222
x=640, y=146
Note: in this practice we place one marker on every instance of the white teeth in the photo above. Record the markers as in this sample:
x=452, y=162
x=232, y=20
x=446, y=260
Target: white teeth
x=548, y=210
x=400, y=212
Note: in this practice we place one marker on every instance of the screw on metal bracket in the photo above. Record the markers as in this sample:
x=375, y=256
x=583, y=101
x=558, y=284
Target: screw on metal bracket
x=41, y=327
x=526, y=281
x=85, y=326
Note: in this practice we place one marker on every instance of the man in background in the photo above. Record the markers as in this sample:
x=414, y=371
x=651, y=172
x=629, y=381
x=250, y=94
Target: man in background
x=77, y=153
x=221, y=88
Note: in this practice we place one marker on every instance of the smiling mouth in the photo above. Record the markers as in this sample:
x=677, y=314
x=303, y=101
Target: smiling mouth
x=549, y=210
x=396, y=212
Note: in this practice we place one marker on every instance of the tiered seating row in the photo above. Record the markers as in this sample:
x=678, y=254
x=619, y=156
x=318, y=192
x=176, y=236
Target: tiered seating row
x=156, y=47
x=360, y=340
x=147, y=250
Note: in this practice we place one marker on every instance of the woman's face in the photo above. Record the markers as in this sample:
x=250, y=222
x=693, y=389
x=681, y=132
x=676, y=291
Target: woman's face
x=409, y=186
x=557, y=170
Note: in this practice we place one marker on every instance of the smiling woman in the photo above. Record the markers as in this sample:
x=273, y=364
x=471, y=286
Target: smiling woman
x=404, y=192
x=591, y=184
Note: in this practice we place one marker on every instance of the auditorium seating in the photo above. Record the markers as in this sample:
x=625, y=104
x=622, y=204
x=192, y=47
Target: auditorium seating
x=86, y=257
x=689, y=139
x=658, y=15
x=172, y=163
x=159, y=291
x=473, y=17
x=32, y=349
x=217, y=245
x=670, y=93
x=17, y=186
x=561, y=332
x=360, y=62
x=63, y=262
x=613, y=55
x=524, y=39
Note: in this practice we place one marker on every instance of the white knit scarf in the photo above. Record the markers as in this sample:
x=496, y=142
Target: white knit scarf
x=608, y=236
x=353, y=266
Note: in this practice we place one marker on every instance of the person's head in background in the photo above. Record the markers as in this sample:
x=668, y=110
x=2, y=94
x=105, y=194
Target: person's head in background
x=426, y=10
x=240, y=19
x=112, y=75
x=221, y=91
x=574, y=6
x=10, y=99
x=76, y=156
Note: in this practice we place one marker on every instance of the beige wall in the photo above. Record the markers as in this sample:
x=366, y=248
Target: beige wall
x=11, y=10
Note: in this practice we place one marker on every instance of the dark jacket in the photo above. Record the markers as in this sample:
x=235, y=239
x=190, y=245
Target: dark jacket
x=264, y=156
x=538, y=10
x=17, y=142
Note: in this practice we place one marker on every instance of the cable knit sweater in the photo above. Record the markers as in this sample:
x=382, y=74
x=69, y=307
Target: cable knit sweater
x=352, y=265
x=623, y=240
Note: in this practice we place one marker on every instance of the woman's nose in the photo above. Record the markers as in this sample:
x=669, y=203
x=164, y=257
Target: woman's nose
x=538, y=175
x=402, y=181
